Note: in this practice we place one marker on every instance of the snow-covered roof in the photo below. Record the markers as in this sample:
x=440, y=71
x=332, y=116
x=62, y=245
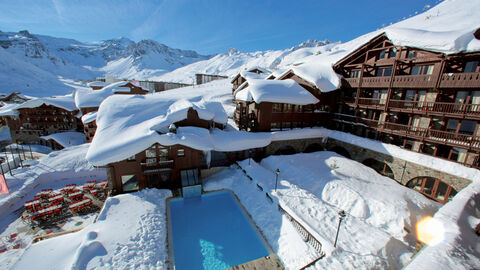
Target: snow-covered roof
x=284, y=91
x=128, y=124
x=65, y=102
x=86, y=97
x=66, y=139
x=319, y=74
x=89, y=117
x=97, y=84
x=9, y=110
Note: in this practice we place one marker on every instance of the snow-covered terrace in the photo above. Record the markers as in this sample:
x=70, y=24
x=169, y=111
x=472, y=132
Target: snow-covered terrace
x=66, y=139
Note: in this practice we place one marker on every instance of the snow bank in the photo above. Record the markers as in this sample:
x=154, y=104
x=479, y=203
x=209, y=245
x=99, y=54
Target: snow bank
x=320, y=74
x=378, y=231
x=459, y=248
x=97, y=84
x=130, y=232
x=438, y=164
x=67, y=139
x=285, y=91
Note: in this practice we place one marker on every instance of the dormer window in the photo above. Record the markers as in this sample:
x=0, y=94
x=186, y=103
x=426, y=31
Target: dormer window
x=383, y=72
x=411, y=54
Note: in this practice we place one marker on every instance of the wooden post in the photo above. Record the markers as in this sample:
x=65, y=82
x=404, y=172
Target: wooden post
x=8, y=163
x=19, y=157
x=31, y=154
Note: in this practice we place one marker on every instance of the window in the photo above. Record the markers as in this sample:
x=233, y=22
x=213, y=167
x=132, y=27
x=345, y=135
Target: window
x=181, y=152
x=130, y=182
x=151, y=156
x=458, y=154
x=411, y=54
x=162, y=154
x=422, y=70
x=468, y=127
x=131, y=158
x=298, y=108
x=355, y=73
x=275, y=126
x=471, y=66
x=433, y=188
x=287, y=107
x=383, y=54
x=452, y=125
x=276, y=107
x=383, y=72
x=392, y=53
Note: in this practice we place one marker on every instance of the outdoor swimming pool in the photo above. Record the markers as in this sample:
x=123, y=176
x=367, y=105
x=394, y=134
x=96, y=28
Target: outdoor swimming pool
x=212, y=232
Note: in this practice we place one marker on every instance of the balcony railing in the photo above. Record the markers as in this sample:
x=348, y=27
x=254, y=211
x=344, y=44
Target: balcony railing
x=352, y=82
x=432, y=135
x=371, y=101
x=376, y=82
x=460, y=80
x=471, y=110
x=152, y=166
x=414, y=81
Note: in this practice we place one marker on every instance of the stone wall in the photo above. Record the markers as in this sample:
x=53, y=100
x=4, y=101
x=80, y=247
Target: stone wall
x=403, y=171
x=299, y=145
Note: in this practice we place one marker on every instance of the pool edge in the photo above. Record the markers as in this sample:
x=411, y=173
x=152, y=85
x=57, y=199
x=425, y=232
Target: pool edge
x=171, y=254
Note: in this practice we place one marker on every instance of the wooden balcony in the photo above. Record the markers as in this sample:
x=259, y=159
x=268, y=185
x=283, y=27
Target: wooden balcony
x=157, y=166
x=413, y=81
x=352, y=82
x=432, y=135
x=460, y=80
x=376, y=82
x=470, y=111
x=373, y=103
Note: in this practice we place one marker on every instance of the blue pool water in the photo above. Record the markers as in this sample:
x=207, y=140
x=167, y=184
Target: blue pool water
x=212, y=232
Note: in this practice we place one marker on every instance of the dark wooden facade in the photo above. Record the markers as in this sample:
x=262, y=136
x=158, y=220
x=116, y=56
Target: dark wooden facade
x=32, y=123
x=161, y=86
x=239, y=79
x=162, y=166
x=424, y=101
x=161, y=169
x=268, y=116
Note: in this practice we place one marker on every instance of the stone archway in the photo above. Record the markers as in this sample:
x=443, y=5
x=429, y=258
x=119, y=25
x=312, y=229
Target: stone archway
x=380, y=167
x=314, y=147
x=285, y=150
x=341, y=151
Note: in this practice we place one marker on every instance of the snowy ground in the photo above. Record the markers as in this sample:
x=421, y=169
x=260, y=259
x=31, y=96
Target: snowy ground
x=53, y=171
x=378, y=231
x=130, y=232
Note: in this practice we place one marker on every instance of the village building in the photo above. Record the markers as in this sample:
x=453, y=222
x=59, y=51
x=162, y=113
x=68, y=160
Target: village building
x=154, y=87
x=251, y=73
x=205, y=78
x=38, y=117
x=88, y=101
x=421, y=100
x=269, y=105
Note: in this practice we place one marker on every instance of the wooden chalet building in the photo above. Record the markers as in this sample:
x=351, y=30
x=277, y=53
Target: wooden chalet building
x=161, y=166
x=253, y=73
x=40, y=117
x=424, y=101
x=285, y=112
x=88, y=102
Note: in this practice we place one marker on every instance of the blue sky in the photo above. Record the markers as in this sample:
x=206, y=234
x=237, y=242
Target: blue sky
x=206, y=26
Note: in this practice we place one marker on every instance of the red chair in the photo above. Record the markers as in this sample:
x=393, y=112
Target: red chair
x=17, y=246
x=3, y=250
x=13, y=236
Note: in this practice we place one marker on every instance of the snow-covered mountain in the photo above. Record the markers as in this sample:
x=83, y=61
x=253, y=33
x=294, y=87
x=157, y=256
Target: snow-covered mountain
x=47, y=58
x=234, y=61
